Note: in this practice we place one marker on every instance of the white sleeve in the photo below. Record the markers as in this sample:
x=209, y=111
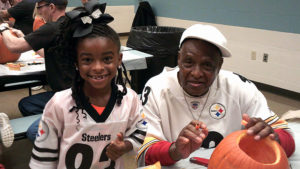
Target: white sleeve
x=136, y=127
x=257, y=106
x=45, y=152
x=150, y=99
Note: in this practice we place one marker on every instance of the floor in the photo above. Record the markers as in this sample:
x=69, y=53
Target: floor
x=17, y=156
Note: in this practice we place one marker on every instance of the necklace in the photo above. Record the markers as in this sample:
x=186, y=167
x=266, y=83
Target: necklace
x=184, y=95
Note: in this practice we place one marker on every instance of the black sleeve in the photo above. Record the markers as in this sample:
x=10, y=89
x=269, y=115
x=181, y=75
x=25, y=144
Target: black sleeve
x=43, y=37
x=21, y=9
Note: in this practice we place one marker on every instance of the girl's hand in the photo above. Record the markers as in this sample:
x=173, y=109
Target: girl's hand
x=118, y=147
x=259, y=128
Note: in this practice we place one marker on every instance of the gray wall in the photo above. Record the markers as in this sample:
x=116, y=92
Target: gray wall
x=74, y=3
x=277, y=15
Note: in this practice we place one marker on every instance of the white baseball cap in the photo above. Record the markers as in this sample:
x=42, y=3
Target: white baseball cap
x=207, y=33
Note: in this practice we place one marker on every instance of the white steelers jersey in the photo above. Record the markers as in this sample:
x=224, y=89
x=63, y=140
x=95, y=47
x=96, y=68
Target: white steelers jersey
x=78, y=139
x=166, y=106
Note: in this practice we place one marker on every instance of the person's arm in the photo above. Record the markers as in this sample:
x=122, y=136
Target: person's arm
x=286, y=141
x=136, y=126
x=155, y=146
x=15, y=44
x=160, y=151
x=277, y=131
x=272, y=127
x=45, y=152
x=284, y=136
x=189, y=140
x=262, y=122
x=41, y=52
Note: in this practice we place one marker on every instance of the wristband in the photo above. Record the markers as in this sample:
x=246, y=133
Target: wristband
x=3, y=28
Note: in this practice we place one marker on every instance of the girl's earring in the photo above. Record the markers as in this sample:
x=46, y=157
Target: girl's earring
x=76, y=68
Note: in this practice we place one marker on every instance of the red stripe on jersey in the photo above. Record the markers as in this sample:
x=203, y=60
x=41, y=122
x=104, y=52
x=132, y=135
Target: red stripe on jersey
x=159, y=152
x=286, y=141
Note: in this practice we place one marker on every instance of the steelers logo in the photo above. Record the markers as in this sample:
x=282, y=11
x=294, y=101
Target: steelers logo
x=43, y=131
x=217, y=111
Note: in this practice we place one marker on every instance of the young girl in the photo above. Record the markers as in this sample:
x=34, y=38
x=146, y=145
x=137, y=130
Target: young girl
x=95, y=122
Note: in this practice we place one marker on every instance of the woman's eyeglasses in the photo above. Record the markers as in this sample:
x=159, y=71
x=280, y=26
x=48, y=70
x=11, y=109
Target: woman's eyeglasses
x=41, y=6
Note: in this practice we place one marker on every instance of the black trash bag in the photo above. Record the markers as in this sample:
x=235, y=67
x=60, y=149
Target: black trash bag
x=162, y=43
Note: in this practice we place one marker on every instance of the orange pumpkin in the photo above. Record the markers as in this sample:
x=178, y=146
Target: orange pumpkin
x=239, y=150
x=6, y=55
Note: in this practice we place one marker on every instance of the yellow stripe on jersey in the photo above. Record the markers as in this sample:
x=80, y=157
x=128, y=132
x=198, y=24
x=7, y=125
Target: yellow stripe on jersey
x=148, y=141
x=280, y=124
x=270, y=120
x=275, y=122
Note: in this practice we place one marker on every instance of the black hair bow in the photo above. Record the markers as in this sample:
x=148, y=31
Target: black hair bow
x=84, y=18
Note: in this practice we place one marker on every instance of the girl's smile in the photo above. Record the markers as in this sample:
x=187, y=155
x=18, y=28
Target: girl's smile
x=98, y=78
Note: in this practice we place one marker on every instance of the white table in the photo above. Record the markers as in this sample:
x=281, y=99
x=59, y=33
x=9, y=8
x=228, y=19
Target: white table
x=27, y=77
x=295, y=158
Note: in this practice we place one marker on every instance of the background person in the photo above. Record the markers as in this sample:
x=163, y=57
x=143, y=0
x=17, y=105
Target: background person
x=59, y=76
x=38, y=19
x=199, y=92
x=21, y=12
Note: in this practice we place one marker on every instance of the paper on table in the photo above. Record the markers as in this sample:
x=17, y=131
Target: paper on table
x=125, y=48
x=134, y=60
x=25, y=58
x=134, y=54
x=30, y=56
